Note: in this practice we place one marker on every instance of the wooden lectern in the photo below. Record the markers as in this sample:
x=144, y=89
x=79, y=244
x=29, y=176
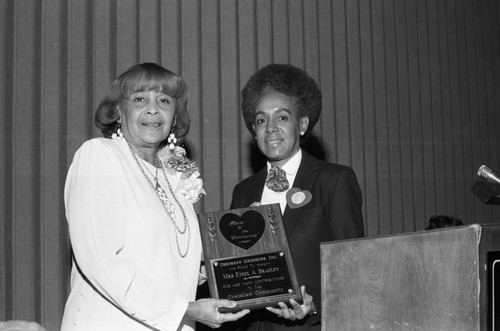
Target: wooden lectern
x=432, y=280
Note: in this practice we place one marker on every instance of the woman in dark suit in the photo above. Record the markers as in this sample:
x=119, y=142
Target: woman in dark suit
x=320, y=201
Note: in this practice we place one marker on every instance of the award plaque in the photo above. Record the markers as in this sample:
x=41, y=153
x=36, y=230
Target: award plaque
x=247, y=257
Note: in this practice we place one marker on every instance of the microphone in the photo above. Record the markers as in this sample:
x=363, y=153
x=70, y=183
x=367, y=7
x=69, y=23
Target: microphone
x=488, y=174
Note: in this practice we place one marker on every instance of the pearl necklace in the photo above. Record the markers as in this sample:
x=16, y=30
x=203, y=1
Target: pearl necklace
x=162, y=195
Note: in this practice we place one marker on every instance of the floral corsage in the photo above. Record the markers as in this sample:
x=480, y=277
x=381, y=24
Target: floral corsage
x=175, y=161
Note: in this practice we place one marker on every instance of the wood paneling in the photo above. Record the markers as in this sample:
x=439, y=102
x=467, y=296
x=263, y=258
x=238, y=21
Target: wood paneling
x=399, y=282
x=410, y=99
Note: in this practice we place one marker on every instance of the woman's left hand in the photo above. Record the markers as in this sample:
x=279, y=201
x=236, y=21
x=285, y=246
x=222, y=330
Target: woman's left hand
x=206, y=311
x=297, y=312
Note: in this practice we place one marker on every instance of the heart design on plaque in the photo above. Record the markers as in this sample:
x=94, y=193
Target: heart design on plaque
x=243, y=231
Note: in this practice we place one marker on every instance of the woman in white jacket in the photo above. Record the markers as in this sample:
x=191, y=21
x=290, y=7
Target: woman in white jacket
x=129, y=204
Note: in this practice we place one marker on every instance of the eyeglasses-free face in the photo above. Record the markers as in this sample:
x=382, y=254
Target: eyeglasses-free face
x=277, y=126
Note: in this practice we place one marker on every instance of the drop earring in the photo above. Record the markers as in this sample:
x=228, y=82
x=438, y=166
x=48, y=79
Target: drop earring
x=171, y=140
x=118, y=134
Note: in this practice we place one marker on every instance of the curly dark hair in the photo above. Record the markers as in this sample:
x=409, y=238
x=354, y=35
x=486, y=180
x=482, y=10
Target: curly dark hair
x=443, y=221
x=144, y=77
x=286, y=79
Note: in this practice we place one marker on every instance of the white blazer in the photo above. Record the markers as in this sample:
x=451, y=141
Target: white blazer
x=124, y=242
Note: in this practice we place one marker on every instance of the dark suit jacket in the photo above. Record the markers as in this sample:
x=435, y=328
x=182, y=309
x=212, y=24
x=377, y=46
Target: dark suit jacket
x=334, y=213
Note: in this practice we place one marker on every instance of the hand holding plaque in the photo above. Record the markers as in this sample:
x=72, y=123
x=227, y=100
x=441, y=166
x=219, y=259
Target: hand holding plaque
x=247, y=257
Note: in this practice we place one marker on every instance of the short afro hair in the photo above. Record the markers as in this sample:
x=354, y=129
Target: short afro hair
x=286, y=79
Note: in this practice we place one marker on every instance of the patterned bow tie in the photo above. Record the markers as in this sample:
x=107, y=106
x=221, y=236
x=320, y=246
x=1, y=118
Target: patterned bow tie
x=276, y=180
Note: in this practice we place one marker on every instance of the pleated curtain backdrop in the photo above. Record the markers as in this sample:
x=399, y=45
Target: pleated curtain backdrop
x=410, y=101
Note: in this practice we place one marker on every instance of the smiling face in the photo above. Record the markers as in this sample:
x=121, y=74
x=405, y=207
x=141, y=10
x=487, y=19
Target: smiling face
x=146, y=119
x=278, y=127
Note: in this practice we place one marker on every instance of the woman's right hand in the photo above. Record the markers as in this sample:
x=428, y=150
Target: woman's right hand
x=206, y=311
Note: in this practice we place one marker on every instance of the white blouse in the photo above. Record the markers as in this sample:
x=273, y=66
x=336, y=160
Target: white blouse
x=124, y=242
x=290, y=168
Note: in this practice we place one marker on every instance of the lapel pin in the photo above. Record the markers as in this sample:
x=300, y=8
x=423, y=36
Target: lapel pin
x=295, y=197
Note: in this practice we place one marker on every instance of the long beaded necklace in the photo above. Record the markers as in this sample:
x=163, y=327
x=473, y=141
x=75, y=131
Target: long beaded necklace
x=162, y=195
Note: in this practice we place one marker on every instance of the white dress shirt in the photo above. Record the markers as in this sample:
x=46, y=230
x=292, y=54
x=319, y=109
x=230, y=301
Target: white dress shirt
x=291, y=167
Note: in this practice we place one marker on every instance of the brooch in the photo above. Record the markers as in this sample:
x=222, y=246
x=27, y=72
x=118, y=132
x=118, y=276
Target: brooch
x=296, y=198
